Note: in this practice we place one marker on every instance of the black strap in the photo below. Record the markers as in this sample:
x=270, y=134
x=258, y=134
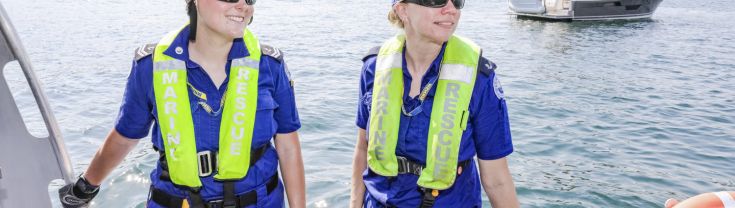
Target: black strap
x=428, y=200
x=255, y=155
x=195, y=200
x=229, y=200
x=406, y=165
x=166, y=200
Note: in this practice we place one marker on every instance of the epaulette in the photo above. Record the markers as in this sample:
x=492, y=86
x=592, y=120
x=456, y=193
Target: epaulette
x=271, y=51
x=486, y=66
x=372, y=52
x=278, y=55
x=144, y=51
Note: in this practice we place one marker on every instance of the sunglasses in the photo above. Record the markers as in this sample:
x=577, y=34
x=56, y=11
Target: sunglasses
x=437, y=3
x=248, y=2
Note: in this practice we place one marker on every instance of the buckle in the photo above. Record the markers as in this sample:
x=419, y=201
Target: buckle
x=214, y=203
x=403, y=166
x=407, y=166
x=417, y=169
x=220, y=203
x=429, y=197
x=205, y=163
x=233, y=205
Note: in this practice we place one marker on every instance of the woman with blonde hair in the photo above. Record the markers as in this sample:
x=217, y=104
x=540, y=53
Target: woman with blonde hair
x=429, y=102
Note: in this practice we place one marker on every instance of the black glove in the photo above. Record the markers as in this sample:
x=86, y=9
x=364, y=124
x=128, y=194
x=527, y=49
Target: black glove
x=77, y=195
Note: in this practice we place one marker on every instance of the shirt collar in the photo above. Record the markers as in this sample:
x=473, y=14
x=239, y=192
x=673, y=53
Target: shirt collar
x=179, y=48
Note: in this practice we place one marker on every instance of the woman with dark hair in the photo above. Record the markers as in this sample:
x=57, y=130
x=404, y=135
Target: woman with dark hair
x=429, y=103
x=216, y=97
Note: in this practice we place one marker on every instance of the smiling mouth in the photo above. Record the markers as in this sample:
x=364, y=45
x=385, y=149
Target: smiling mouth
x=445, y=24
x=236, y=18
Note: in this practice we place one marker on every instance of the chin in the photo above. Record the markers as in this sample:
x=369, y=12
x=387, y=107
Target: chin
x=236, y=35
x=441, y=38
x=235, y=32
x=441, y=35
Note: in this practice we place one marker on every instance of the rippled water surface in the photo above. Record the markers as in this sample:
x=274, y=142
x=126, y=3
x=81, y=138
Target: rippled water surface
x=603, y=114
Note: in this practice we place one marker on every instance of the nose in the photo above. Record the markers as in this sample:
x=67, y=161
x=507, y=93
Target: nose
x=449, y=8
x=240, y=5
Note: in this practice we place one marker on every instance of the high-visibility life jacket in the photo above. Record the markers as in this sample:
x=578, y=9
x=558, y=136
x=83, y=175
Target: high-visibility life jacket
x=175, y=119
x=448, y=118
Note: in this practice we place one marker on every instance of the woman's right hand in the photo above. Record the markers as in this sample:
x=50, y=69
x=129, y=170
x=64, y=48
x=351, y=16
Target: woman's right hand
x=77, y=195
x=107, y=158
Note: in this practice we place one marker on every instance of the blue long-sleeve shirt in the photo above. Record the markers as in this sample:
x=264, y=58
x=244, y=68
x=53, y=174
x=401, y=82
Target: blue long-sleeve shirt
x=487, y=136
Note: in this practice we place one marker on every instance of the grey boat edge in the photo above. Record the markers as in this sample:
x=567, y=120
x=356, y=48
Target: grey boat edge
x=27, y=164
x=584, y=9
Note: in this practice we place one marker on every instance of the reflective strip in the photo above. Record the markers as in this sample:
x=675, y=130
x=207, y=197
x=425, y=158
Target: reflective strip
x=246, y=62
x=457, y=72
x=388, y=62
x=168, y=65
x=726, y=199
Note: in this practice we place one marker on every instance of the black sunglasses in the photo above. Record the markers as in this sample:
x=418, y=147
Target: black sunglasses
x=248, y=2
x=437, y=3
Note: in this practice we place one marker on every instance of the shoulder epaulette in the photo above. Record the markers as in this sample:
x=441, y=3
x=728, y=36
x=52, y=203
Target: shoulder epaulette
x=372, y=52
x=144, y=51
x=486, y=66
x=276, y=53
x=271, y=51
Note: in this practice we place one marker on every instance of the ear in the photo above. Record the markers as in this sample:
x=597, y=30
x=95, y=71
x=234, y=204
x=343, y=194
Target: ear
x=400, y=9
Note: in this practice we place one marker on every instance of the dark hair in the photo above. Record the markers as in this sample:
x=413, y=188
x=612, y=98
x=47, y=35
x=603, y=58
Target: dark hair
x=191, y=9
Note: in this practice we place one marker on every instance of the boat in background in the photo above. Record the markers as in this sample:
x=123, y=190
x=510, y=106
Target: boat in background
x=584, y=9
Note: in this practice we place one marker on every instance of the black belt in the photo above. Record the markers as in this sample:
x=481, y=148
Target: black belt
x=406, y=165
x=207, y=161
x=251, y=197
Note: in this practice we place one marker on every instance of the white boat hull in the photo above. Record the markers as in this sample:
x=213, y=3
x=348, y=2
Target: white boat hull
x=584, y=9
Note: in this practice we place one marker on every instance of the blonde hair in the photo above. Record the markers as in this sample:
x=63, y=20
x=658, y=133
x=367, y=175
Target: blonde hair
x=394, y=19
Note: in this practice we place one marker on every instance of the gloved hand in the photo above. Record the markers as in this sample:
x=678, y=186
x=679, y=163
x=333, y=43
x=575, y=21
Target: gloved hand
x=77, y=195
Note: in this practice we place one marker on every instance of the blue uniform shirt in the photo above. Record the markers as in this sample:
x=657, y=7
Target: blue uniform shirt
x=487, y=135
x=276, y=113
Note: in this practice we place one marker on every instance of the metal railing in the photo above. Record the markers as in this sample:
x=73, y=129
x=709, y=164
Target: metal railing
x=28, y=163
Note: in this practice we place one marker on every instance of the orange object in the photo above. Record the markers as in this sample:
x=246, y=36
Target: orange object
x=185, y=204
x=722, y=199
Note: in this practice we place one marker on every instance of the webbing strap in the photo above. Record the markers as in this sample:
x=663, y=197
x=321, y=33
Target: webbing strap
x=229, y=201
x=196, y=200
x=429, y=198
